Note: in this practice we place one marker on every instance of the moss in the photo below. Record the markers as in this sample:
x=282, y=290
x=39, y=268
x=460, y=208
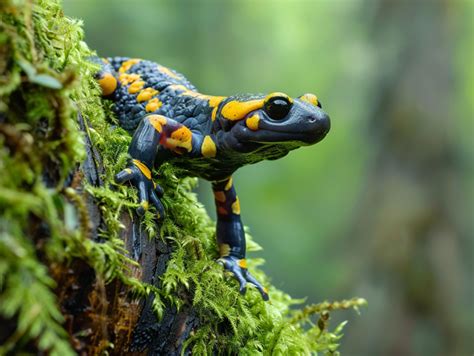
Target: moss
x=45, y=224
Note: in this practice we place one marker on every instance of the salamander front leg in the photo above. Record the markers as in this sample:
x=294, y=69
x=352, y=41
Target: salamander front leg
x=231, y=236
x=153, y=131
x=139, y=176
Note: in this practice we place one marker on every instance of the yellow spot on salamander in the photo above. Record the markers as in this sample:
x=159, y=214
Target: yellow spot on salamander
x=178, y=87
x=108, y=83
x=126, y=78
x=310, y=98
x=214, y=114
x=182, y=138
x=236, y=206
x=236, y=110
x=214, y=101
x=128, y=170
x=168, y=72
x=183, y=134
x=159, y=118
x=146, y=94
x=229, y=184
x=243, y=263
x=142, y=167
x=224, y=250
x=194, y=94
x=145, y=205
x=252, y=122
x=128, y=64
x=219, y=196
x=157, y=121
x=208, y=148
x=136, y=86
x=153, y=105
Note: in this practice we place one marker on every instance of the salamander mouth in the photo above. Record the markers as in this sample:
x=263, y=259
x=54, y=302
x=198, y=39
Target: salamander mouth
x=274, y=137
x=302, y=134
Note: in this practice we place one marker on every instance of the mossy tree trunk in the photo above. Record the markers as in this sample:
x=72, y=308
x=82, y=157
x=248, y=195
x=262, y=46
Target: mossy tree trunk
x=88, y=303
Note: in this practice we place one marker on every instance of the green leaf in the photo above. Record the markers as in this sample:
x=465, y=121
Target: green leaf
x=46, y=81
x=27, y=67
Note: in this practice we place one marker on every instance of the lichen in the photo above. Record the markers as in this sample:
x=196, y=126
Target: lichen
x=45, y=80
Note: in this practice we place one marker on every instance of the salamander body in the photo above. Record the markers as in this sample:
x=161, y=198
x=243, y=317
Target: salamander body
x=206, y=136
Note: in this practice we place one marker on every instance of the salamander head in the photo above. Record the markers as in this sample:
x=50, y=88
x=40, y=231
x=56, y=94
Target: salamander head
x=271, y=125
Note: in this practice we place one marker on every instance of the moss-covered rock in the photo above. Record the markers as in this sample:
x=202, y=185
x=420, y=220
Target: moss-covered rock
x=77, y=266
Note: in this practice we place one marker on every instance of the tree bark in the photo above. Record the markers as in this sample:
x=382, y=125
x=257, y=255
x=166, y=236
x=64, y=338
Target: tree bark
x=105, y=310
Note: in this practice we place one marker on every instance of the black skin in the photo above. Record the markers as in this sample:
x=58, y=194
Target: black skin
x=284, y=124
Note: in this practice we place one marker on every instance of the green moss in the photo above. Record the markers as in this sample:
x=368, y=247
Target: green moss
x=44, y=79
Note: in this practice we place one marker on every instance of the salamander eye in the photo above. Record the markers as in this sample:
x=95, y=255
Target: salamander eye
x=277, y=107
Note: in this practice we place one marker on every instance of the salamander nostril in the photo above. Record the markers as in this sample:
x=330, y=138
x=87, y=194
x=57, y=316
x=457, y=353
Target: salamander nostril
x=325, y=122
x=320, y=123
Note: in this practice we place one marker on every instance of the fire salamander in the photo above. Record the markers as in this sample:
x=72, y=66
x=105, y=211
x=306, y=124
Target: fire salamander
x=206, y=136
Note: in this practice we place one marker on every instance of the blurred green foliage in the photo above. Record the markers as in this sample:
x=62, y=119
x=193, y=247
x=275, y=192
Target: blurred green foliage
x=304, y=209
